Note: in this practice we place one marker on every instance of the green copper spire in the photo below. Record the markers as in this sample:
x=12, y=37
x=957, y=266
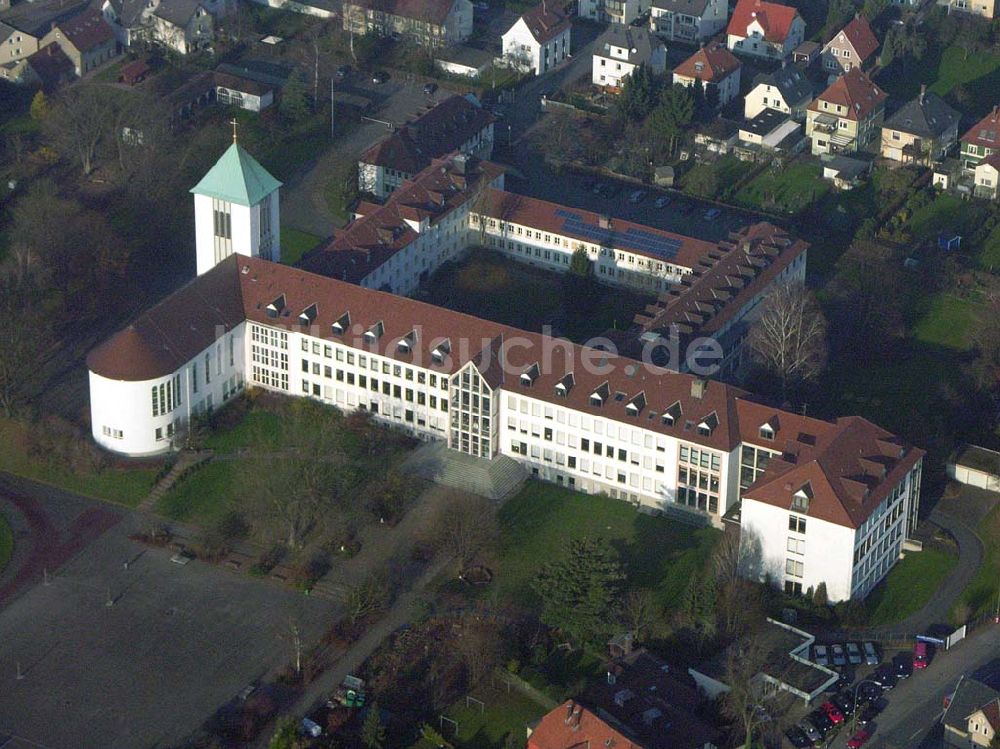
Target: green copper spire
x=238, y=178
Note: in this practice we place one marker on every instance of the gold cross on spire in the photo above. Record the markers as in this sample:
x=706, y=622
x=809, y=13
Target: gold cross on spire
x=234, y=122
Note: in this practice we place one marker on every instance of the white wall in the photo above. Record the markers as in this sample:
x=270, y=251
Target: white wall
x=246, y=237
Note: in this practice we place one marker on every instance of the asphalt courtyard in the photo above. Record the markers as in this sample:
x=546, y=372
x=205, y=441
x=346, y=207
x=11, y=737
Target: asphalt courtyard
x=105, y=655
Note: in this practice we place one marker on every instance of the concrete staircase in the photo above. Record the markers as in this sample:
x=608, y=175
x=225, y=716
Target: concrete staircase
x=494, y=479
x=185, y=460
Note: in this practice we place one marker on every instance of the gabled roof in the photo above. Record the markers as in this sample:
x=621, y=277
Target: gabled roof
x=928, y=115
x=129, y=12
x=639, y=42
x=795, y=88
x=86, y=30
x=430, y=11
x=51, y=65
x=545, y=22
x=570, y=726
x=971, y=695
x=710, y=64
x=687, y=7
x=238, y=178
x=854, y=91
x=178, y=12
x=859, y=35
x=986, y=132
x=775, y=19
x=6, y=31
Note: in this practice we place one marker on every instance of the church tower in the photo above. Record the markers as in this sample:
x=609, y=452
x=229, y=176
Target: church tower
x=236, y=210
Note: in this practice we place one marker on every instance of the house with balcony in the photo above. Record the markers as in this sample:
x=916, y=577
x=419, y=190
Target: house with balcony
x=852, y=47
x=764, y=29
x=621, y=49
x=715, y=69
x=922, y=131
x=613, y=11
x=538, y=41
x=847, y=117
x=431, y=23
x=688, y=20
x=982, y=140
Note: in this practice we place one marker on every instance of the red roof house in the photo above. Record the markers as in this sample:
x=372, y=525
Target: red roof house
x=571, y=726
x=764, y=29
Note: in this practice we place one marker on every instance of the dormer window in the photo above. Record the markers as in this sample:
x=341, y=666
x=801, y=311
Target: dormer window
x=274, y=308
x=308, y=315
x=342, y=324
x=529, y=375
x=599, y=396
x=801, y=498
x=672, y=414
x=707, y=425
x=635, y=406
x=440, y=351
x=374, y=332
x=766, y=432
x=407, y=342
x=564, y=385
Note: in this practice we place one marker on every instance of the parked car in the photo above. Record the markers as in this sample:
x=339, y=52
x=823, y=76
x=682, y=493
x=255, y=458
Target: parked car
x=637, y=196
x=832, y=712
x=867, y=715
x=712, y=213
x=343, y=71
x=903, y=664
x=430, y=88
x=844, y=702
x=838, y=654
x=921, y=658
x=820, y=655
x=380, y=77
x=868, y=692
x=810, y=731
x=871, y=655
x=798, y=737
x=858, y=740
x=853, y=654
x=821, y=722
x=310, y=727
x=884, y=677
x=662, y=201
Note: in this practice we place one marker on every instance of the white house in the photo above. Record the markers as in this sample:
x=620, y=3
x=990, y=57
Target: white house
x=621, y=49
x=431, y=23
x=764, y=29
x=688, y=20
x=538, y=41
x=715, y=69
x=236, y=210
x=613, y=11
x=180, y=25
x=986, y=178
x=787, y=90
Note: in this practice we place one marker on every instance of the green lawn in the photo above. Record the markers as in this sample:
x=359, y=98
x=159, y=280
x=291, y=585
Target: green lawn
x=488, y=727
x=981, y=594
x=541, y=519
x=909, y=586
x=946, y=213
x=489, y=285
x=295, y=244
x=127, y=486
x=943, y=70
x=989, y=258
x=714, y=179
x=205, y=495
x=6, y=543
x=956, y=69
x=947, y=322
x=788, y=190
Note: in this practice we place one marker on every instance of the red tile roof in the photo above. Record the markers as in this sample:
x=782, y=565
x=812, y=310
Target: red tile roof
x=51, y=65
x=430, y=11
x=437, y=132
x=993, y=160
x=855, y=92
x=543, y=216
x=860, y=36
x=545, y=22
x=986, y=132
x=775, y=19
x=992, y=713
x=571, y=726
x=709, y=64
x=86, y=30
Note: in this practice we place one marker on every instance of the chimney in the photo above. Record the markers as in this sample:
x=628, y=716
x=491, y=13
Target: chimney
x=569, y=711
x=698, y=387
x=923, y=92
x=604, y=221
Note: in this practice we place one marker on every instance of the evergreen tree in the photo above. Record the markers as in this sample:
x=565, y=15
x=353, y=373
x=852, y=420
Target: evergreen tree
x=293, y=98
x=39, y=106
x=638, y=95
x=672, y=115
x=579, y=263
x=372, y=730
x=581, y=591
x=820, y=598
x=286, y=735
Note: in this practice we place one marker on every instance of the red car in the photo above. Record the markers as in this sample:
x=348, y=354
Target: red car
x=833, y=713
x=858, y=740
x=920, y=655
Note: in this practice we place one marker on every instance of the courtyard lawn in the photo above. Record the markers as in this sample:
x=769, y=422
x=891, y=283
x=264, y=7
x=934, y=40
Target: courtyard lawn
x=119, y=484
x=947, y=213
x=489, y=285
x=981, y=594
x=205, y=495
x=295, y=244
x=944, y=70
x=957, y=69
x=789, y=190
x=714, y=179
x=6, y=543
x=909, y=586
x=947, y=322
x=989, y=258
x=487, y=726
x=537, y=524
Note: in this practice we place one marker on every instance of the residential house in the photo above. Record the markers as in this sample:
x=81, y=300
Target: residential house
x=986, y=178
x=612, y=11
x=972, y=718
x=847, y=117
x=922, y=131
x=806, y=53
x=15, y=44
x=49, y=68
x=786, y=90
x=763, y=29
x=688, y=20
x=459, y=123
x=852, y=47
x=86, y=39
x=717, y=137
x=538, y=41
x=572, y=725
x=844, y=172
x=464, y=60
x=769, y=132
x=621, y=49
x=982, y=8
x=714, y=68
x=431, y=23
x=982, y=139
x=182, y=25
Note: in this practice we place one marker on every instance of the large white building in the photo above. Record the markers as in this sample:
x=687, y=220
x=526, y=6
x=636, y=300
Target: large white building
x=688, y=20
x=583, y=417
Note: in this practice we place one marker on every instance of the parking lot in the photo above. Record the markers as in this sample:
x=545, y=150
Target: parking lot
x=110, y=656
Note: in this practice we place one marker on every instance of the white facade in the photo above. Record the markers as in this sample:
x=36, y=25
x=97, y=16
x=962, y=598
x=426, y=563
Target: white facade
x=613, y=11
x=765, y=96
x=752, y=42
x=250, y=102
x=611, y=67
x=798, y=552
x=674, y=25
x=727, y=87
x=146, y=417
x=522, y=51
x=223, y=228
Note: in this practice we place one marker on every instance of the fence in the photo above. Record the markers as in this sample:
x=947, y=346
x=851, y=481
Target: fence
x=515, y=681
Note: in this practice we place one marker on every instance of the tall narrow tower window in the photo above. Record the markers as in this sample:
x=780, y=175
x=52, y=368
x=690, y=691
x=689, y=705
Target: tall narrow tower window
x=223, y=229
x=265, y=228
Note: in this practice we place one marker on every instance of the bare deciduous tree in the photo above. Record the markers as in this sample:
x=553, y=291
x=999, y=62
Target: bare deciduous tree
x=639, y=611
x=368, y=597
x=79, y=121
x=467, y=525
x=745, y=702
x=788, y=339
x=24, y=339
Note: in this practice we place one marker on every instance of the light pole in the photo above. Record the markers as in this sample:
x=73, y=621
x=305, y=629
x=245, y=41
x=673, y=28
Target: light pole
x=854, y=716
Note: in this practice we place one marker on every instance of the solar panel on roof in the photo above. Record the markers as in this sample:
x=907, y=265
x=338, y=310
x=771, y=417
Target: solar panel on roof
x=647, y=242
